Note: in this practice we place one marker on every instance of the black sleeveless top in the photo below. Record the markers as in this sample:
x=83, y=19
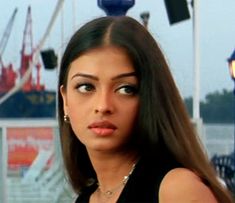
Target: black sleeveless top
x=143, y=184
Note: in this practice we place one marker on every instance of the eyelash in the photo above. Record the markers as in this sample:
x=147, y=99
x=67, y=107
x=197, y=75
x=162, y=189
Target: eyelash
x=85, y=86
x=129, y=89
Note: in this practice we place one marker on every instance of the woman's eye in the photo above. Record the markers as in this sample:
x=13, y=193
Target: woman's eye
x=127, y=90
x=85, y=88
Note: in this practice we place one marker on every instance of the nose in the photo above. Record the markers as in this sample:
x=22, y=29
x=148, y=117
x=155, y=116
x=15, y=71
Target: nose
x=104, y=104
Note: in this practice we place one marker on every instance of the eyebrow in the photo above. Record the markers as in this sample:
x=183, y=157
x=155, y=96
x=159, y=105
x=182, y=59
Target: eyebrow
x=85, y=76
x=123, y=75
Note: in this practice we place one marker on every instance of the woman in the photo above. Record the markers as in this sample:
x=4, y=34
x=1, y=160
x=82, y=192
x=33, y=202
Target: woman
x=125, y=133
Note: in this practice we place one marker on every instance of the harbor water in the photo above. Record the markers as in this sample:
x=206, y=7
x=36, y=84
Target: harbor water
x=219, y=138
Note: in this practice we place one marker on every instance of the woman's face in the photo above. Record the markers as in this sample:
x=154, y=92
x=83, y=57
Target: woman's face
x=101, y=98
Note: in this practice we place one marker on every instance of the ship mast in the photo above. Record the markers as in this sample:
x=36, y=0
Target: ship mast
x=27, y=56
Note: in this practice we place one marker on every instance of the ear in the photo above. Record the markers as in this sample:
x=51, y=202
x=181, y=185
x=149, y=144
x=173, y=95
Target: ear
x=64, y=97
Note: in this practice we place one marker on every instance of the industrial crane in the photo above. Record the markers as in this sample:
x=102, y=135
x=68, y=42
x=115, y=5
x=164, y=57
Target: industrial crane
x=27, y=53
x=7, y=74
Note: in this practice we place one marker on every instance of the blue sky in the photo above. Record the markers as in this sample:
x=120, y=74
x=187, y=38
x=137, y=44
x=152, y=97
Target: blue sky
x=217, y=36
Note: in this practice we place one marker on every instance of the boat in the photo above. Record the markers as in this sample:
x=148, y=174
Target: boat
x=32, y=100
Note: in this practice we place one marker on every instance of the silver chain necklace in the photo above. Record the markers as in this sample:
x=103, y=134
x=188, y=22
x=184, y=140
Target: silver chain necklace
x=109, y=193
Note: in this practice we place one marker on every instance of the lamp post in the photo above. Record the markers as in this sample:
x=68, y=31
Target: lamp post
x=145, y=18
x=231, y=63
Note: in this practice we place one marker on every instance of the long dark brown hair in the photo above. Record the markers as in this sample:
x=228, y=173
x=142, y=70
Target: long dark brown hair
x=162, y=119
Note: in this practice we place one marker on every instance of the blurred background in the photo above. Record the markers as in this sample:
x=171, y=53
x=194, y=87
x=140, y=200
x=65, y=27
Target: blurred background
x=197, y=38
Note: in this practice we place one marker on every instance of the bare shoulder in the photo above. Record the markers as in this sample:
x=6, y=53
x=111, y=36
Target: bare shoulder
x=181, y=185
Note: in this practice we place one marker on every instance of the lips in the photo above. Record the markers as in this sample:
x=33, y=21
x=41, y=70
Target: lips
x=102, y=128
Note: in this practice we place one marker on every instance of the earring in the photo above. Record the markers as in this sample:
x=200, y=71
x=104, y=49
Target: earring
x=66, y=119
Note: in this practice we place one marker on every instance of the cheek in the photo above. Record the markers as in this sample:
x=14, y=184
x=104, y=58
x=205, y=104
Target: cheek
x=77, y=113
x=130, y=113
x=78, y=124
x=74, y=104
x=133, y=108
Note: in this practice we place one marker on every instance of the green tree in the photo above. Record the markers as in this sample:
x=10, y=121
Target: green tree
x=189, y=105
x=218, y=107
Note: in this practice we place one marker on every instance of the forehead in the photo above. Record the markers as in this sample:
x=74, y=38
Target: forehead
x=103, y=59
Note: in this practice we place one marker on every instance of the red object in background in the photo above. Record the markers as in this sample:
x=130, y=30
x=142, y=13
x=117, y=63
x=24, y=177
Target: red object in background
x=8, y=75
x=7, y=78
x=24, y=145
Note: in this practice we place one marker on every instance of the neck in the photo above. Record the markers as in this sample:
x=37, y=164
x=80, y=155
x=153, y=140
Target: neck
x=119, y=185
x=111, y=194
x=111, y=172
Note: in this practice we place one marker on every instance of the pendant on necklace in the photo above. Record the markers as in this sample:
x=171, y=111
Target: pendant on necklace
x=108, y=193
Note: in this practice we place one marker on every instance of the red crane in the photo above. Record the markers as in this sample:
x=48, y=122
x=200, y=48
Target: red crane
x=7, y=75
x=27, y=57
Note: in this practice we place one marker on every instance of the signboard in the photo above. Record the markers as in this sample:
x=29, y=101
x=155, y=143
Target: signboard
x=24, y=144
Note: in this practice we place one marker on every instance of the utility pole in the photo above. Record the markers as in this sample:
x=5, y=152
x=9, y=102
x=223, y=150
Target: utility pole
x=196, y=47
x=145, y=18
x=3, y=166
